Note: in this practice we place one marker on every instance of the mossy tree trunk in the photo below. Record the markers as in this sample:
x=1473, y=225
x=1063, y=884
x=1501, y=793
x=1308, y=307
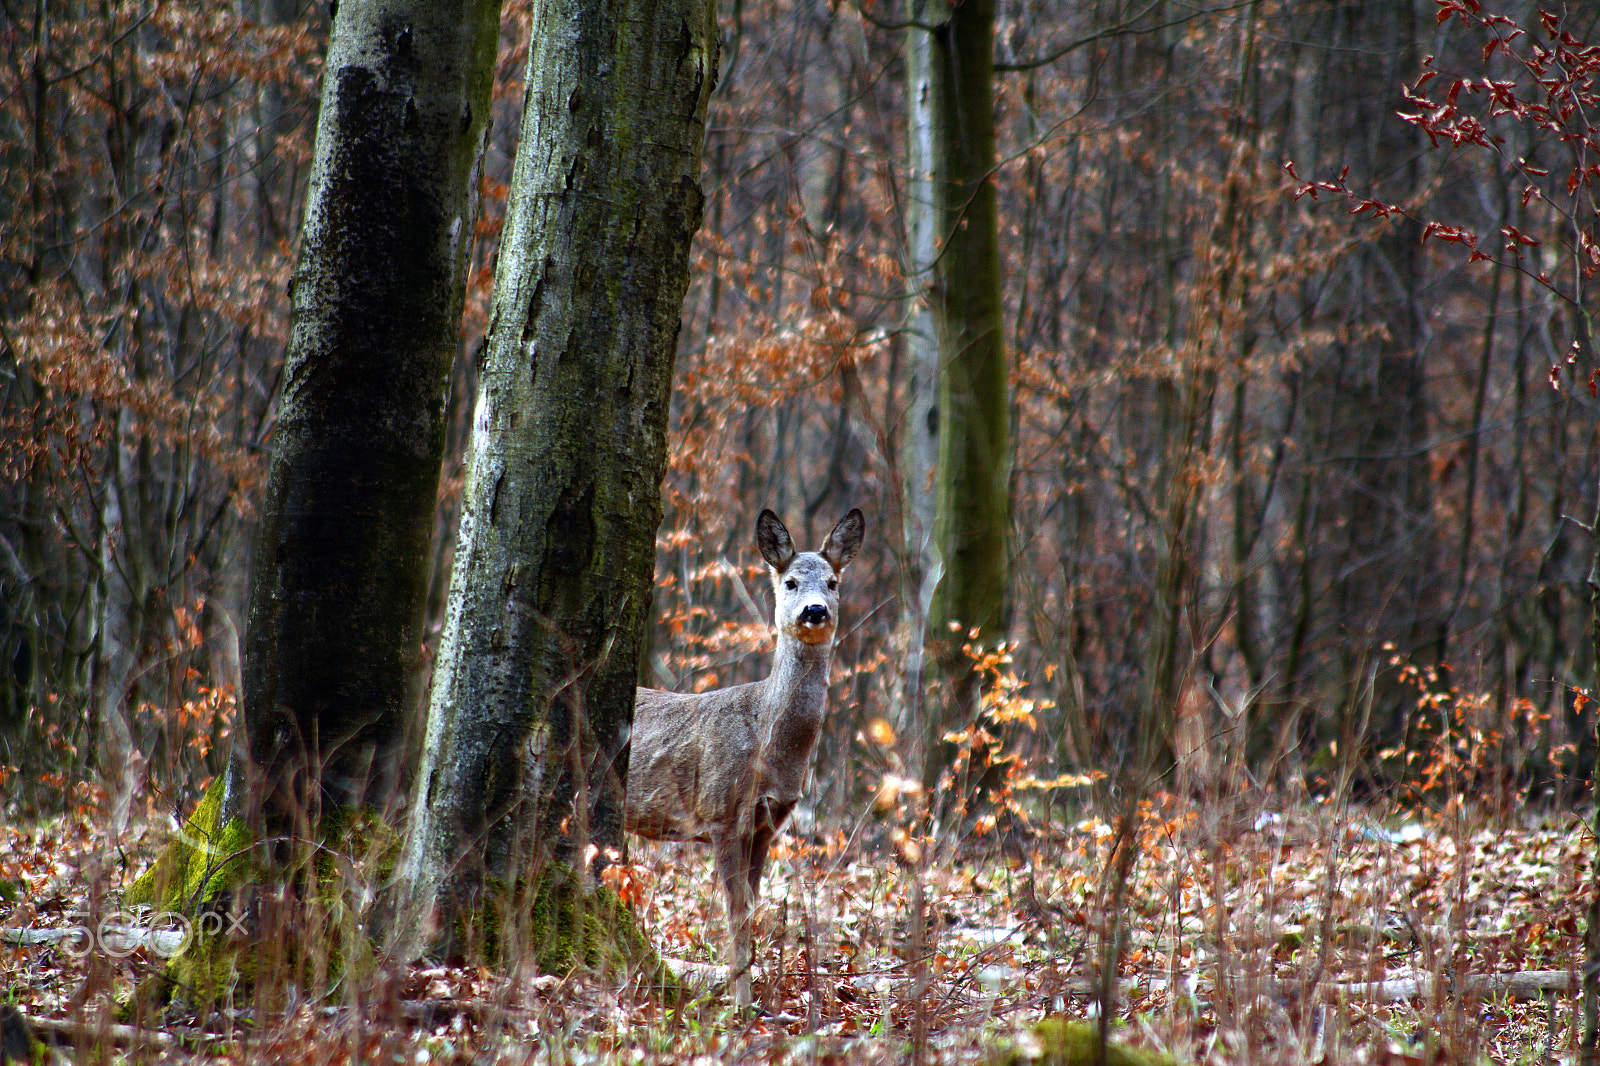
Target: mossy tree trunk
x=955, y=267
x=524, y=761
x=340, y=575
x=335, y=617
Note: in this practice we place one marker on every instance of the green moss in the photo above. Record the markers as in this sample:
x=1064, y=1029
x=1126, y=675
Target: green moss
x=205, y=857
x=211, y=874
x=1059, y=1042
x=595, y=930
x=562, y=926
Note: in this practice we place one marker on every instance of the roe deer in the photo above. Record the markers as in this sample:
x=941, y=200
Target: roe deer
x=725, y=768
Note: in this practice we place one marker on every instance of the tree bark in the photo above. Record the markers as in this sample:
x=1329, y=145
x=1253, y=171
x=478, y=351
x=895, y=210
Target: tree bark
x=955, y=266
x=1589, y=1044
x=335, y=619
x=524, y=762
x=919, y=445
x=340, y=574
x=1369, y=402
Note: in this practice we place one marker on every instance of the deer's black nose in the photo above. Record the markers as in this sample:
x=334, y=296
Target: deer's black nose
x=813, y=614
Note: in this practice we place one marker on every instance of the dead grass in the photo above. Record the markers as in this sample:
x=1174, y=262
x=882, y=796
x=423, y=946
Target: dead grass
x=1255, y=933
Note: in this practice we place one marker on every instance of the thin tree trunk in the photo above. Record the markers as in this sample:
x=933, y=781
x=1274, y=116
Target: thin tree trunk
x=1589, y=1041
x=956, y=269
x=1389, y=590
x=919, y=447
x=525, y=759
x=1589, y=1049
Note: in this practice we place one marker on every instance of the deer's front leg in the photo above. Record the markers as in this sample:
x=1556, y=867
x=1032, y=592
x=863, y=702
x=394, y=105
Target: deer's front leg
x=758, y=861
x=770, y=814
x=733, y=869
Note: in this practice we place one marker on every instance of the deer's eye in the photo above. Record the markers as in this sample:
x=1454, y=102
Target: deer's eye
x=791, y=584
x=833, y=582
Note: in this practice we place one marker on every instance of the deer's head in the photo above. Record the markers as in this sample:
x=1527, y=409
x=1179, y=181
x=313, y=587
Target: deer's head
x=806, y=584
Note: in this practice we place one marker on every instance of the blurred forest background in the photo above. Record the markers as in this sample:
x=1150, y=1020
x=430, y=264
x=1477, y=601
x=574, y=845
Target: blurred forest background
x=1289, y=482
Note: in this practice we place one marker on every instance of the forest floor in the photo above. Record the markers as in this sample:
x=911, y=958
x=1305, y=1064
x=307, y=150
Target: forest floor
x=1281, y=932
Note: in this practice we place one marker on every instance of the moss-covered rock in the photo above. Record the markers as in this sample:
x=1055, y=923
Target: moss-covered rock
x=1060, y=1042
x=198, y=875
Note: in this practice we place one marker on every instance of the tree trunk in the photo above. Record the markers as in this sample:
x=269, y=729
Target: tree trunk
x=341, y=569
x=1589, y=995
x=955, y=264
x=1589, y=1049
x=340, y=573
x=525, y=760
x=1369, y=401
x=919, y=445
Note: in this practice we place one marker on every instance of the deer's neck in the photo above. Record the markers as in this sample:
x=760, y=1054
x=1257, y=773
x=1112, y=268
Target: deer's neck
x=793, y=696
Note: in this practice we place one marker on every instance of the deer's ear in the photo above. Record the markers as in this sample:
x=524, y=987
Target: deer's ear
x=772, y=538
x=845, y=540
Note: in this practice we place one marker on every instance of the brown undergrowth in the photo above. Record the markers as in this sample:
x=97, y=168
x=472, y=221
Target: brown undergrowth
x=1259, y=929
